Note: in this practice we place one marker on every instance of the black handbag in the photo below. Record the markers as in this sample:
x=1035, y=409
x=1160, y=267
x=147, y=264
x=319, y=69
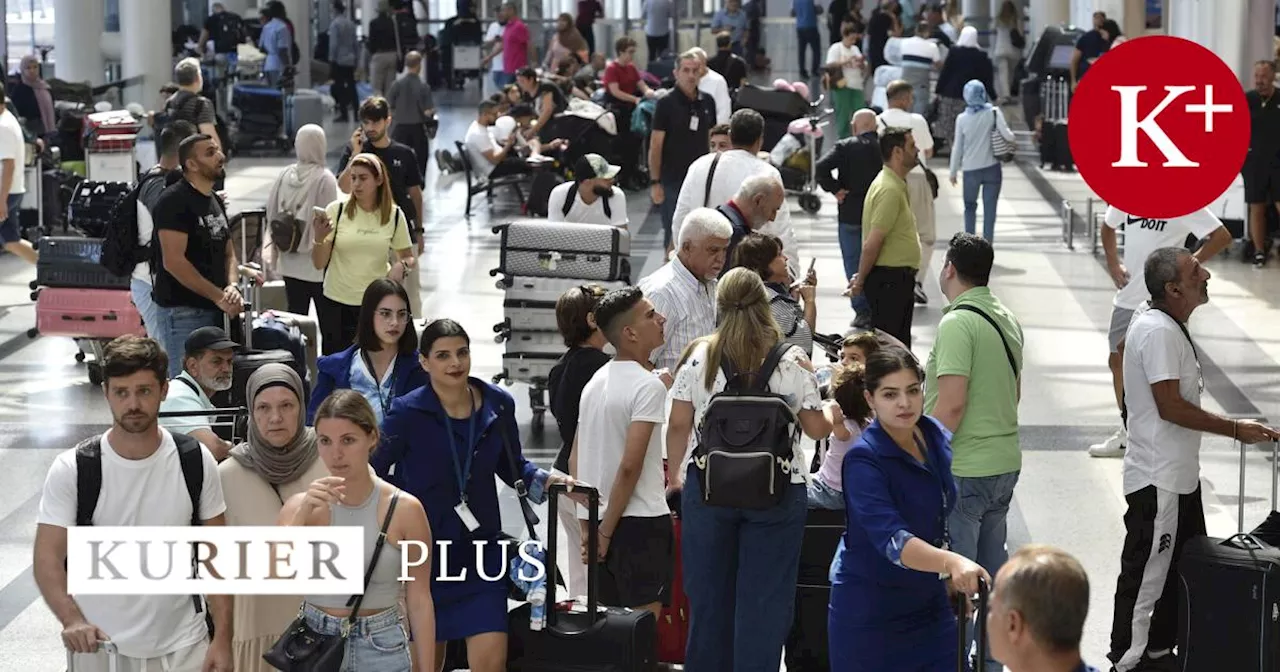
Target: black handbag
x=302, y=649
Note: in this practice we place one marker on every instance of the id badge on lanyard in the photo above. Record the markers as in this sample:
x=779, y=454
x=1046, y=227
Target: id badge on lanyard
x=463, y=470
x=945, y=542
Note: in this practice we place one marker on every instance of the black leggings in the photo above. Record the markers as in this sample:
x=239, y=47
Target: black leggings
x=337, y=325
x=299, y=294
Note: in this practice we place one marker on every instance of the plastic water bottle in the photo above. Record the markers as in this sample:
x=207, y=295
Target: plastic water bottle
x=537, y=607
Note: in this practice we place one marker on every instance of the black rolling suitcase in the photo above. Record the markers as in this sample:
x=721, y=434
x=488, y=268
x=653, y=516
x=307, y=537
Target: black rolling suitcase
x=611, y=639
x=806, y=648
x=71, y=261
x=978, y=663
x=564, y=250
x=1229, y=607
x=92, y=204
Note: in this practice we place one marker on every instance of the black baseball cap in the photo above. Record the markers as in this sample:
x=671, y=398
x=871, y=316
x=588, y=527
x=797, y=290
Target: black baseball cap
x=209, y=338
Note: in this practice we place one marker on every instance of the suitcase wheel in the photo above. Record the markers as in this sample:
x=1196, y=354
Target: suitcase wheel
x=494, y=272
x=33, y=332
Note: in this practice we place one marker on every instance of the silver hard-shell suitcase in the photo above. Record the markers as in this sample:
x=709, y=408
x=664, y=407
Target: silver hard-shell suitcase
x=547, y=290
x=535, y=343
x=528, y=368
x=564, y=250
x=526, y=316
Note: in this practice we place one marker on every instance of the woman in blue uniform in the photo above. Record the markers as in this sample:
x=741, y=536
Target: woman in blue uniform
x=385, y=351
x=890, y=610
x=447, y=441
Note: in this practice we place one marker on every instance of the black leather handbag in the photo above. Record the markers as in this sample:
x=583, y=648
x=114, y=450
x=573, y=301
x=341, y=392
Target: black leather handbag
x=302, y=649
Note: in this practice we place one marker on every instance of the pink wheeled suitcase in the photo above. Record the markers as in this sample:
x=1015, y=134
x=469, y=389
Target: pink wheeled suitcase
x=87, y=313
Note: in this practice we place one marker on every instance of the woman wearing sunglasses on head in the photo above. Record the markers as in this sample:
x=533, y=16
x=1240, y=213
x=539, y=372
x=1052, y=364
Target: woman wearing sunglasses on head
x=383, y=362
x=446, y=441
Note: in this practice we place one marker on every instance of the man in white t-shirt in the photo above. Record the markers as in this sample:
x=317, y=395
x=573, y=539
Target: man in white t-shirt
x=592, y=198
x=1161, y=474
x=899, y=115
x=488, y=158
x=144, y=475
x=207, y=360
x=493, y=39
x=715, y=85
x=13, y=155
x=618, y=448
x=1142, y=236
x=920, y=58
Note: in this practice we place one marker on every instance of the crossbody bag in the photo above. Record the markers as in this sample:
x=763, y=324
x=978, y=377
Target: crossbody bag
x=1008, y=352
x=302, y=649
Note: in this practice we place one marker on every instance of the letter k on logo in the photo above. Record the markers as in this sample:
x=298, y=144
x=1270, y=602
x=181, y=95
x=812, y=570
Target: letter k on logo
x=1159, y=126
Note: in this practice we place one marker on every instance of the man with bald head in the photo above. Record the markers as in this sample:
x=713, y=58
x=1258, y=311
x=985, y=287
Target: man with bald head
x=857, y=160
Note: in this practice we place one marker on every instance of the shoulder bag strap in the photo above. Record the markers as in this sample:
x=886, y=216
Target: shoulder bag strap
x=1013, y=364
x=771, y=362
x=355, y=600
x=568, y=200
x=706, y=197
x=334, y=247
x=189, y=384
x=522, y=492
x=1186, y=333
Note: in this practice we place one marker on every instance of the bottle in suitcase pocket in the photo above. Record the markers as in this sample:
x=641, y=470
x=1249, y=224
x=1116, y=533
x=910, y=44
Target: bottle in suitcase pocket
x=1229, y=606
x=564, y=250
x=71, y=261
x=87, y=313
x=600, y=638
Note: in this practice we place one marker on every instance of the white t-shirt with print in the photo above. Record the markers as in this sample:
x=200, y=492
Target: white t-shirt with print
x=619, y=394
x=797, y=384
x=1159, y=452
x=582, y=213
x=1143, y=235
x=479, y=139
x=137, y=493
x=838, y=53
x=14, y=146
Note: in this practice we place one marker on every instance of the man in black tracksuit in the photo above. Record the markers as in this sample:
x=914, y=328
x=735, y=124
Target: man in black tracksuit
x=857, y=158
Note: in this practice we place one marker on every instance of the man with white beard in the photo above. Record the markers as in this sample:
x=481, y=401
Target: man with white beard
x=206, y=370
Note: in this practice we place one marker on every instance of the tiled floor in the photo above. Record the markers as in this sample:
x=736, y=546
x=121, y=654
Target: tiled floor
x=1062, y=297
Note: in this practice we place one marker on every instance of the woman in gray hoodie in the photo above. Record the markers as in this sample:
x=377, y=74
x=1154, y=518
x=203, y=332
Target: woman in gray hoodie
x=288, y=240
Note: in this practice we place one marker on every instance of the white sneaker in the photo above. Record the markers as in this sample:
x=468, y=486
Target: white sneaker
x=1112, y=447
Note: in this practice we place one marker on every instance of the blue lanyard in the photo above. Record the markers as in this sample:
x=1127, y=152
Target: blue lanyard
x=942, y=487
x=383, y=400
x=463, y=472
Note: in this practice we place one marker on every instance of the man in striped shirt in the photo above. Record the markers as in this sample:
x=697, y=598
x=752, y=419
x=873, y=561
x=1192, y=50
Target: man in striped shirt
x=684, y=289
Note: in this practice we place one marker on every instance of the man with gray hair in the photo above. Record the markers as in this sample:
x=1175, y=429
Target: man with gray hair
x=713, y=84
x=1161, y=474
x=755, y=205
x=1036, y=615
x=684, y=289
x=188, y=103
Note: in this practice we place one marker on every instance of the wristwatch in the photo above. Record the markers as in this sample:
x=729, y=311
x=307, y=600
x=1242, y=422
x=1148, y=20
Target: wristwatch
x=653, y=182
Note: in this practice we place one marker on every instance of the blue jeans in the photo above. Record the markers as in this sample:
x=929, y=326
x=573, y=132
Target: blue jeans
x=501, y=79
x=140, y=291
x=740, y=570
x=978, y=529
x=809, y=37
x=989, y=179
x=178, y=323
x=850, y=236
x=670, y=193
x=823, y=496
x=377, y=643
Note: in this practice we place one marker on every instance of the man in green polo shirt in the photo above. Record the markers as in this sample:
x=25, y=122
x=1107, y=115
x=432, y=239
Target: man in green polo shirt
x=972, y=386
x=890, y=241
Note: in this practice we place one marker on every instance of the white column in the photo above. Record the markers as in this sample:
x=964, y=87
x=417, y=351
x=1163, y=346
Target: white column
x=142, y=54
x=77, y=42
x=1045, y=13
x=299, y=12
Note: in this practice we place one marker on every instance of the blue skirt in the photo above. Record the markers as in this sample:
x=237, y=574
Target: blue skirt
x=926, y=642
x=472, y=613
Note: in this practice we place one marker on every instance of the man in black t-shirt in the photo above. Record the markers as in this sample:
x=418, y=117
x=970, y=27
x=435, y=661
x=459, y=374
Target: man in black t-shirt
x=226, y=29
x=373, y=137
x=682, y=121
x=195, y=267
x=1089, y=48
x=1261, y=171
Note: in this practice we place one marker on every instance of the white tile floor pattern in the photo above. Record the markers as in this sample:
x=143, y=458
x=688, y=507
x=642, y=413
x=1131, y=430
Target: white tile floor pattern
x=1062, y=298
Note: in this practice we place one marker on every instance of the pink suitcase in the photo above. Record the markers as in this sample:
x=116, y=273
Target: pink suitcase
x=87, y=313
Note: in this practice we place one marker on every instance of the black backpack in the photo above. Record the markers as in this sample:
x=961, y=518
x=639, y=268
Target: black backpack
x=573, y=196
x=745, y=440
x=89, y=485
x=120, y=249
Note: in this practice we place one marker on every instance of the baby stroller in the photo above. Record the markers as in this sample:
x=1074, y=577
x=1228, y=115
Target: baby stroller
x=788, y=117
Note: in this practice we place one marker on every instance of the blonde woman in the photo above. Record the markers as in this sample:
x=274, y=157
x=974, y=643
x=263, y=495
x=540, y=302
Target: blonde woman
x=739, y=557
x=352, y=495
x=353, y=238
x=278, y=461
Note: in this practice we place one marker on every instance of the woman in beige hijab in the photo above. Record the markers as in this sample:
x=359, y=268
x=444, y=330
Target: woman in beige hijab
x=299, y=188
x=279, y=460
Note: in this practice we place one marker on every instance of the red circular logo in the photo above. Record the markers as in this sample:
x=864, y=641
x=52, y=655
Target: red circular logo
x=1159, y=127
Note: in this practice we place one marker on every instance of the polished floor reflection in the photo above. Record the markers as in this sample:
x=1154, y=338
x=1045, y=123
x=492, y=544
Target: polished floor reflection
x=1062, y=297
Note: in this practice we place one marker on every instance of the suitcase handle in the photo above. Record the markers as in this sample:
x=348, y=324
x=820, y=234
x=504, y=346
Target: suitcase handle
x=593, y=530
x=107, y=647
x=1275, y=481
x=979, y=660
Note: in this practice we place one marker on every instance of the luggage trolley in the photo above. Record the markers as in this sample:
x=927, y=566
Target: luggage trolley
x=110, y=147
x=466, y=63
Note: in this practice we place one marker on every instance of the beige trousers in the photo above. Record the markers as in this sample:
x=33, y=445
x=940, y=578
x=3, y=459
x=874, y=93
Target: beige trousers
x=190, y=659
x=921, y=198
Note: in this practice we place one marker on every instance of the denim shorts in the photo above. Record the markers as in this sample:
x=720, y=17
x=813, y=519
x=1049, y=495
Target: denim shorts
x=377, y=643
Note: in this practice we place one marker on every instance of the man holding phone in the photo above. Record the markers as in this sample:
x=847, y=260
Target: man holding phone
x=373, y=137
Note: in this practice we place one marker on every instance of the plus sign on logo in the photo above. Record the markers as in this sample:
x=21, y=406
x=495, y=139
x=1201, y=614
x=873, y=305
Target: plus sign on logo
x=1157, y=139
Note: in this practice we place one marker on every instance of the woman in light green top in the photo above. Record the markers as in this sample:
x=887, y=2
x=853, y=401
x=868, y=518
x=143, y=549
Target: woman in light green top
x=355, y=236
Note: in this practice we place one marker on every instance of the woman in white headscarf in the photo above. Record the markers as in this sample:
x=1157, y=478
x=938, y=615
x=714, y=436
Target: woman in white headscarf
x=299, y=188
x=965, y=61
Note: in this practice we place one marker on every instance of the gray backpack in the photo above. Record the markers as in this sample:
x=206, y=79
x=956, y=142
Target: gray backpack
x=745, y=440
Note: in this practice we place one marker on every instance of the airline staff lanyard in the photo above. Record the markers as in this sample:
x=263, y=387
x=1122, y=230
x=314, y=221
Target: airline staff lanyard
x=462, y=467
x=383, y=400
x=945, y=542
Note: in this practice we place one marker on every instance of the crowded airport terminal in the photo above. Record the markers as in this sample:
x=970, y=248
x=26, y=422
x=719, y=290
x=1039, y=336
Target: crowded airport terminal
x=332, y=328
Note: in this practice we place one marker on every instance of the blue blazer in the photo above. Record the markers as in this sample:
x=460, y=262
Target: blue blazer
x=334, y=373
x=414, y=440
x=890, y=497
